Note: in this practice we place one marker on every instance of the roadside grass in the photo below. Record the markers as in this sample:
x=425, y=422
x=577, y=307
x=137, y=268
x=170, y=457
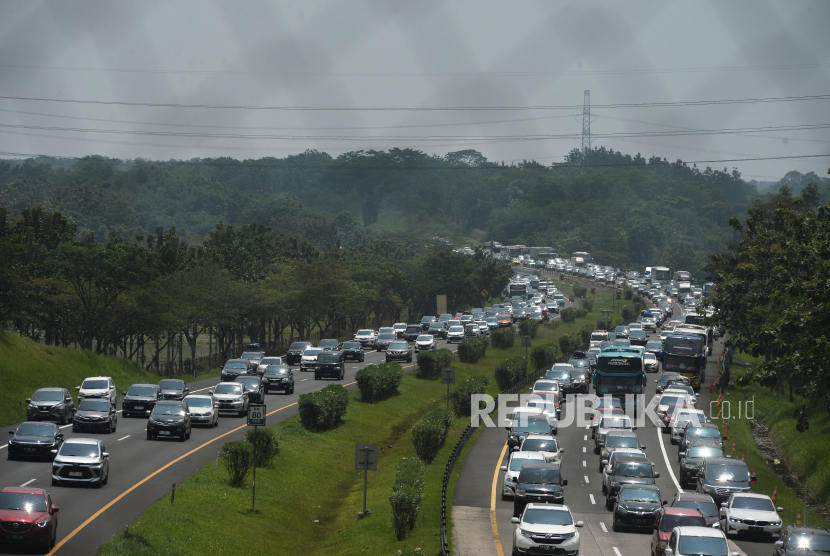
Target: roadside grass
x=806, y=453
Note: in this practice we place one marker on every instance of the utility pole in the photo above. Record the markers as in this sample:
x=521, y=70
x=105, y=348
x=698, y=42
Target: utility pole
x=586, y=123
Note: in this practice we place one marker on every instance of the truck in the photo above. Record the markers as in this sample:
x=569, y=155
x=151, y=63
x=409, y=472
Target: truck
x=578, y=262
x=518, y=288
x=620, y=372
x=661, y=274
x=683, y=288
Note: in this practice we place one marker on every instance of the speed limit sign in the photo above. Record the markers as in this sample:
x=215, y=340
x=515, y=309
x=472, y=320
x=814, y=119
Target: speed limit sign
x=256, y=415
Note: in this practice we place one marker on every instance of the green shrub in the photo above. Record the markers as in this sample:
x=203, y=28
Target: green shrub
x=528, y=327
x=429, y=434
x=568, y=315
x=407, y=493
x=264, y=446
x=430, y=363
x=470, y=351
x=569, y=343
x=580, y=313
x=605, y=324
x=378, y=382
x=627, y=312
x=544, y=356
x=637, y=299
x=588, y=304
x=553, y=324
x=585, y=333
x=237, y=459
x=580, y=291
x=503, y=338
x=628, y=293
x=460, y=395
x=323, y=409
x=510, y=371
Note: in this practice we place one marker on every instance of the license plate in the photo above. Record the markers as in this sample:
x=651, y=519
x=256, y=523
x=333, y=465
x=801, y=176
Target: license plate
x=15, y=537
x=756, y=529
x=164, y=432
x=548, y=547
x=28, y=449
x=138, y=407
x=75, y=474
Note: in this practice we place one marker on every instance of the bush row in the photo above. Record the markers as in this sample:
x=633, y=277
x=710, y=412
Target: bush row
x=239, y=457
x=528, y=327
x=605, y=324
x=544, y=356
x=429, y=434
x=568, y=314
x=580, y=291
x=570, y=342
x=588, y=304
x=628, y=293
x=378, y=382
x=585, y=333
x=503, y=338
x=460, y=396
x=407, y=493
x=430, y=363
x=470, y=351
x=510, y=372
x=323, y=409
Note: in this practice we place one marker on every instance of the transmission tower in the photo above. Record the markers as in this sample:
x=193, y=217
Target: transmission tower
x=586, y=123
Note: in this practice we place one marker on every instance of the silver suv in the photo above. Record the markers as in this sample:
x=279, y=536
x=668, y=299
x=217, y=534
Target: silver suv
x=101, y=387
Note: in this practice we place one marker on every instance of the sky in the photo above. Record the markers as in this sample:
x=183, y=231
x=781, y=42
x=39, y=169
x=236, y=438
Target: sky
x=508, y=79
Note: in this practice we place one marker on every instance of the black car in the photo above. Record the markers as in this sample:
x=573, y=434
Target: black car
x=278, y=377
x=412, y=332
x=399, y=350
x=330, y=364
x=353, y=350
x=654, y=346
x=802, y=540
x=637, y=506
x=169, y=418
x=707, y=431
x=720, y=477
x=629, y=471
x=691, y=460
x=438, y=330
x=254, y=387
x=384, y=340
x=638, y=337
x=173, y=389
x=583, y=364
x=234, y=368
x=50, y=404
x=295, y=352
x=34, y=440
x=664, y=379
x=581, y=381
x=538, y=482
x=96, y=415
x=563, y=378
x=140, y=400
x=426, y=321
x=520, y=428
x=329, y=344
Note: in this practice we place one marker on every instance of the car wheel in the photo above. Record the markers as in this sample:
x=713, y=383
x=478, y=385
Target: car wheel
x=608, y=504
x=149, y=436
x=216, y=421
x=188, y=434
x=604, y=489
x=107, y=477
x=74, y=429
x=316, y=376
x=614, y=526
x=99, y=483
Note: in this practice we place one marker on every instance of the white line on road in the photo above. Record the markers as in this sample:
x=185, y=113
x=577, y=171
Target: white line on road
x=602, y=524
x=303, y=380
x=584, y=464
x=592, y=499
x=584, y=449
x=120, y=439
x=585, y=437
x=666, y=457
x=617, y=552
x=586, y=480
x=3, y=446
x=27, y=482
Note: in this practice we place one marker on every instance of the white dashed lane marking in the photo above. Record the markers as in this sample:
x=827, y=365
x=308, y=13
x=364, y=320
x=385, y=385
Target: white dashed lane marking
x=26, y=483
x=123, y=438
x=602, y=525
x=592, y=499
x=586, y=480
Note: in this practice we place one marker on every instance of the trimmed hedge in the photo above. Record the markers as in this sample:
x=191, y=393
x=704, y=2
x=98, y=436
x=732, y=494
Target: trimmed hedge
x=509, y=372
x=585, y=333
x=637, y=299
x=503, y=338
x=581, y=313
x=237, y=459
x=266, y=446
x=407, y=493
x=627, y=312
x=429, y=434
x=460, y=396
x=528, y=327
x=605, y=324
x=378, y=382
x=580, y=291
x=570, y=342
x=430, y=363
x=323, y=409
x=544, y=356
x=628, y=293
x=568, y=314
x=588, y=304
x=470, y=351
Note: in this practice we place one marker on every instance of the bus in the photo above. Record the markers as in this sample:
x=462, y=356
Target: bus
x=578, y=262
x=694, y=325
x=685, y=353
x=518, y=288
x=619, y=373
x=661, y=274
x=682, y=276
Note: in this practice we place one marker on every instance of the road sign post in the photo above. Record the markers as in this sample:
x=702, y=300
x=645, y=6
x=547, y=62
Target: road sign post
x=526, y=343
x=448, y=377
x=366, y=459
x=256, y=418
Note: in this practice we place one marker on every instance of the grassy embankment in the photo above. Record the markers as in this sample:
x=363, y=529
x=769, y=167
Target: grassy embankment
x=806, y=453
x=307, y=502
x=26, y=366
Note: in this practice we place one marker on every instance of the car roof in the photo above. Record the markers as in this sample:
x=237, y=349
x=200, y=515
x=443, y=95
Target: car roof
x=674, y=510
x=549, y=507
x=541, y=464
x=693, y=497
x=623, y=459
x=724, y=461
x=170, y=402
x=540, y=437
x=636, y=485
x=196, y=396
x=97, y=378
x=530, y=454
x=751, y=495
x=152, y=385
x=693, y=531
x=631, y=434
x=24, y=490
x=50, y=389
x=81, y=441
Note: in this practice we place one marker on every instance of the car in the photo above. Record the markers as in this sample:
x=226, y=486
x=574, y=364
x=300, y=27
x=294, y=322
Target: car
x=612, y=457
x=426, y=321
x=234, y=368
x=32, y=509
x=97, y=387
x=664, y=379
x=50, y=404
x=544, y=444
x=169, y=418
x=708, y=431
x=253, y=355
x=253, y=386
x=34, y=440
x=580, y=380
x=546, y=525
x=598, y=414
x=202, y=410
x=399, y=328
x=81, y=461
x=399, y=350
x=230, y=396
x=691, y=460
x=637, y=506
x=278, y=377
x=800, y=540
x=424, y=342
x=483, y=327
x=548, y=408
x=519, y=428
x=330, y=364
x=563, y=377
x=638, y=337
x=606, y=424
x=412, y=332
x=650, y=363
x=139, y=400
x=649, y=324
x=455, y=334
x=634, y=326
x=353, y=350
x=265, y=361
x=580, y=363
x=309, y=359
x=682, y=419
x=515, y=460
x=629, y=471
x=295, y=352
x=492, y=323
x=505, y=320
x=617, y=439
x=96, y=415
x=366, y=337
x=721, y=477
x=746, y=513
x=329, y=344
x=701, y=502
x=654, y=346
x=385, y=338
x=538, y=481
x=173, y=389
x=669, y=400
x=544, y=386
x=680, y=387
x=471, y=330
x=694, y=541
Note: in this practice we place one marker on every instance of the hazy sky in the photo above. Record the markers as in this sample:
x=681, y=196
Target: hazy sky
x=359, y=55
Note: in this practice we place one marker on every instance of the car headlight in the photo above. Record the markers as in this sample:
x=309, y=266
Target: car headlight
x=735, y=520
x=622, y=510
x=615, y=484
x=775, y=523
x=520, y=492
x=691, y=466
x=43, y=523
x=525, y=532
x=569, y=535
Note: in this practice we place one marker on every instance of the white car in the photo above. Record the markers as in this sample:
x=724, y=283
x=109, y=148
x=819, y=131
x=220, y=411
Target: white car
x=607, y=423
x=202, y=410
x=424, y=342
x=548, y=409
x=366, y=338
x=399, y=328
x=455, y=334
x=81, y=460
x=667, y=400
x=542, y=525
x=680, y=419
x=650, y=363
x=483, y=328
x=309, y=359
x=547, y=387
x=634, y=326
x=544, y=444
x=511, y=470
x=682, y=389
x=265, y=361
x=750, y=513
x=230, y=396
x=97, y=387
x=693, y=541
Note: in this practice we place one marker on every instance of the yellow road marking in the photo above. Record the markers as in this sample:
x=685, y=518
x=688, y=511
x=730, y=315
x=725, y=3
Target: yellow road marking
x=493, y=523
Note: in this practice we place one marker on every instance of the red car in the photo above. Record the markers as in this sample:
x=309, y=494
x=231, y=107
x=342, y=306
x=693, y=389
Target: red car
x=668, y=519
x=700, y=502
x=28, y=518
x=505, y=320
x=674, y=408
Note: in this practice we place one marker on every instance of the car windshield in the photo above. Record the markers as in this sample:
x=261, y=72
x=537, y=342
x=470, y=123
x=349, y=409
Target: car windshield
x=398, y=345
x=298, y=346
x=666, y=377
x=621, y=442
x=639, y=495
x=727, y=472
x=705, y=546
x=168, y=409
x=351, y=345
x=752, y=503
x=271, y=361
x=171, y=385
x=516, y=463
x=539, y=445
x=539, y=516
x=95, y=385
x=228, y=388
x=532, y=425
x=708, y=509
x=669, y=522
x=35, y=429
x=578, y=375
x=79, y=449
x=538, y=476
x=649, y=357
x=328, y=357
x=250, y=382
x=326, y=343
x=386, y=336
x=198, y=402
x=276, y=370
x=94, y=405
x=30, y=502
x=608, y=401
x=699, y=432
x=311, y=352
x=424, y=338
x=819, y=542
x=456, y=329
x=236, y=365
x=630, y=469
x=148, y=391
x=556, y=375
x=704, y=452
x=545, y=387
x=614, y=423
x=47, y=396
x=541, y=404
x=671, y=400
x=250, y=355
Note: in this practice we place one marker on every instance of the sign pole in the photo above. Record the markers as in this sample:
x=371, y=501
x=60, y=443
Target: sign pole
x=256, y=439
x=365, y=478
x=256, y=419
x=366, y=459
